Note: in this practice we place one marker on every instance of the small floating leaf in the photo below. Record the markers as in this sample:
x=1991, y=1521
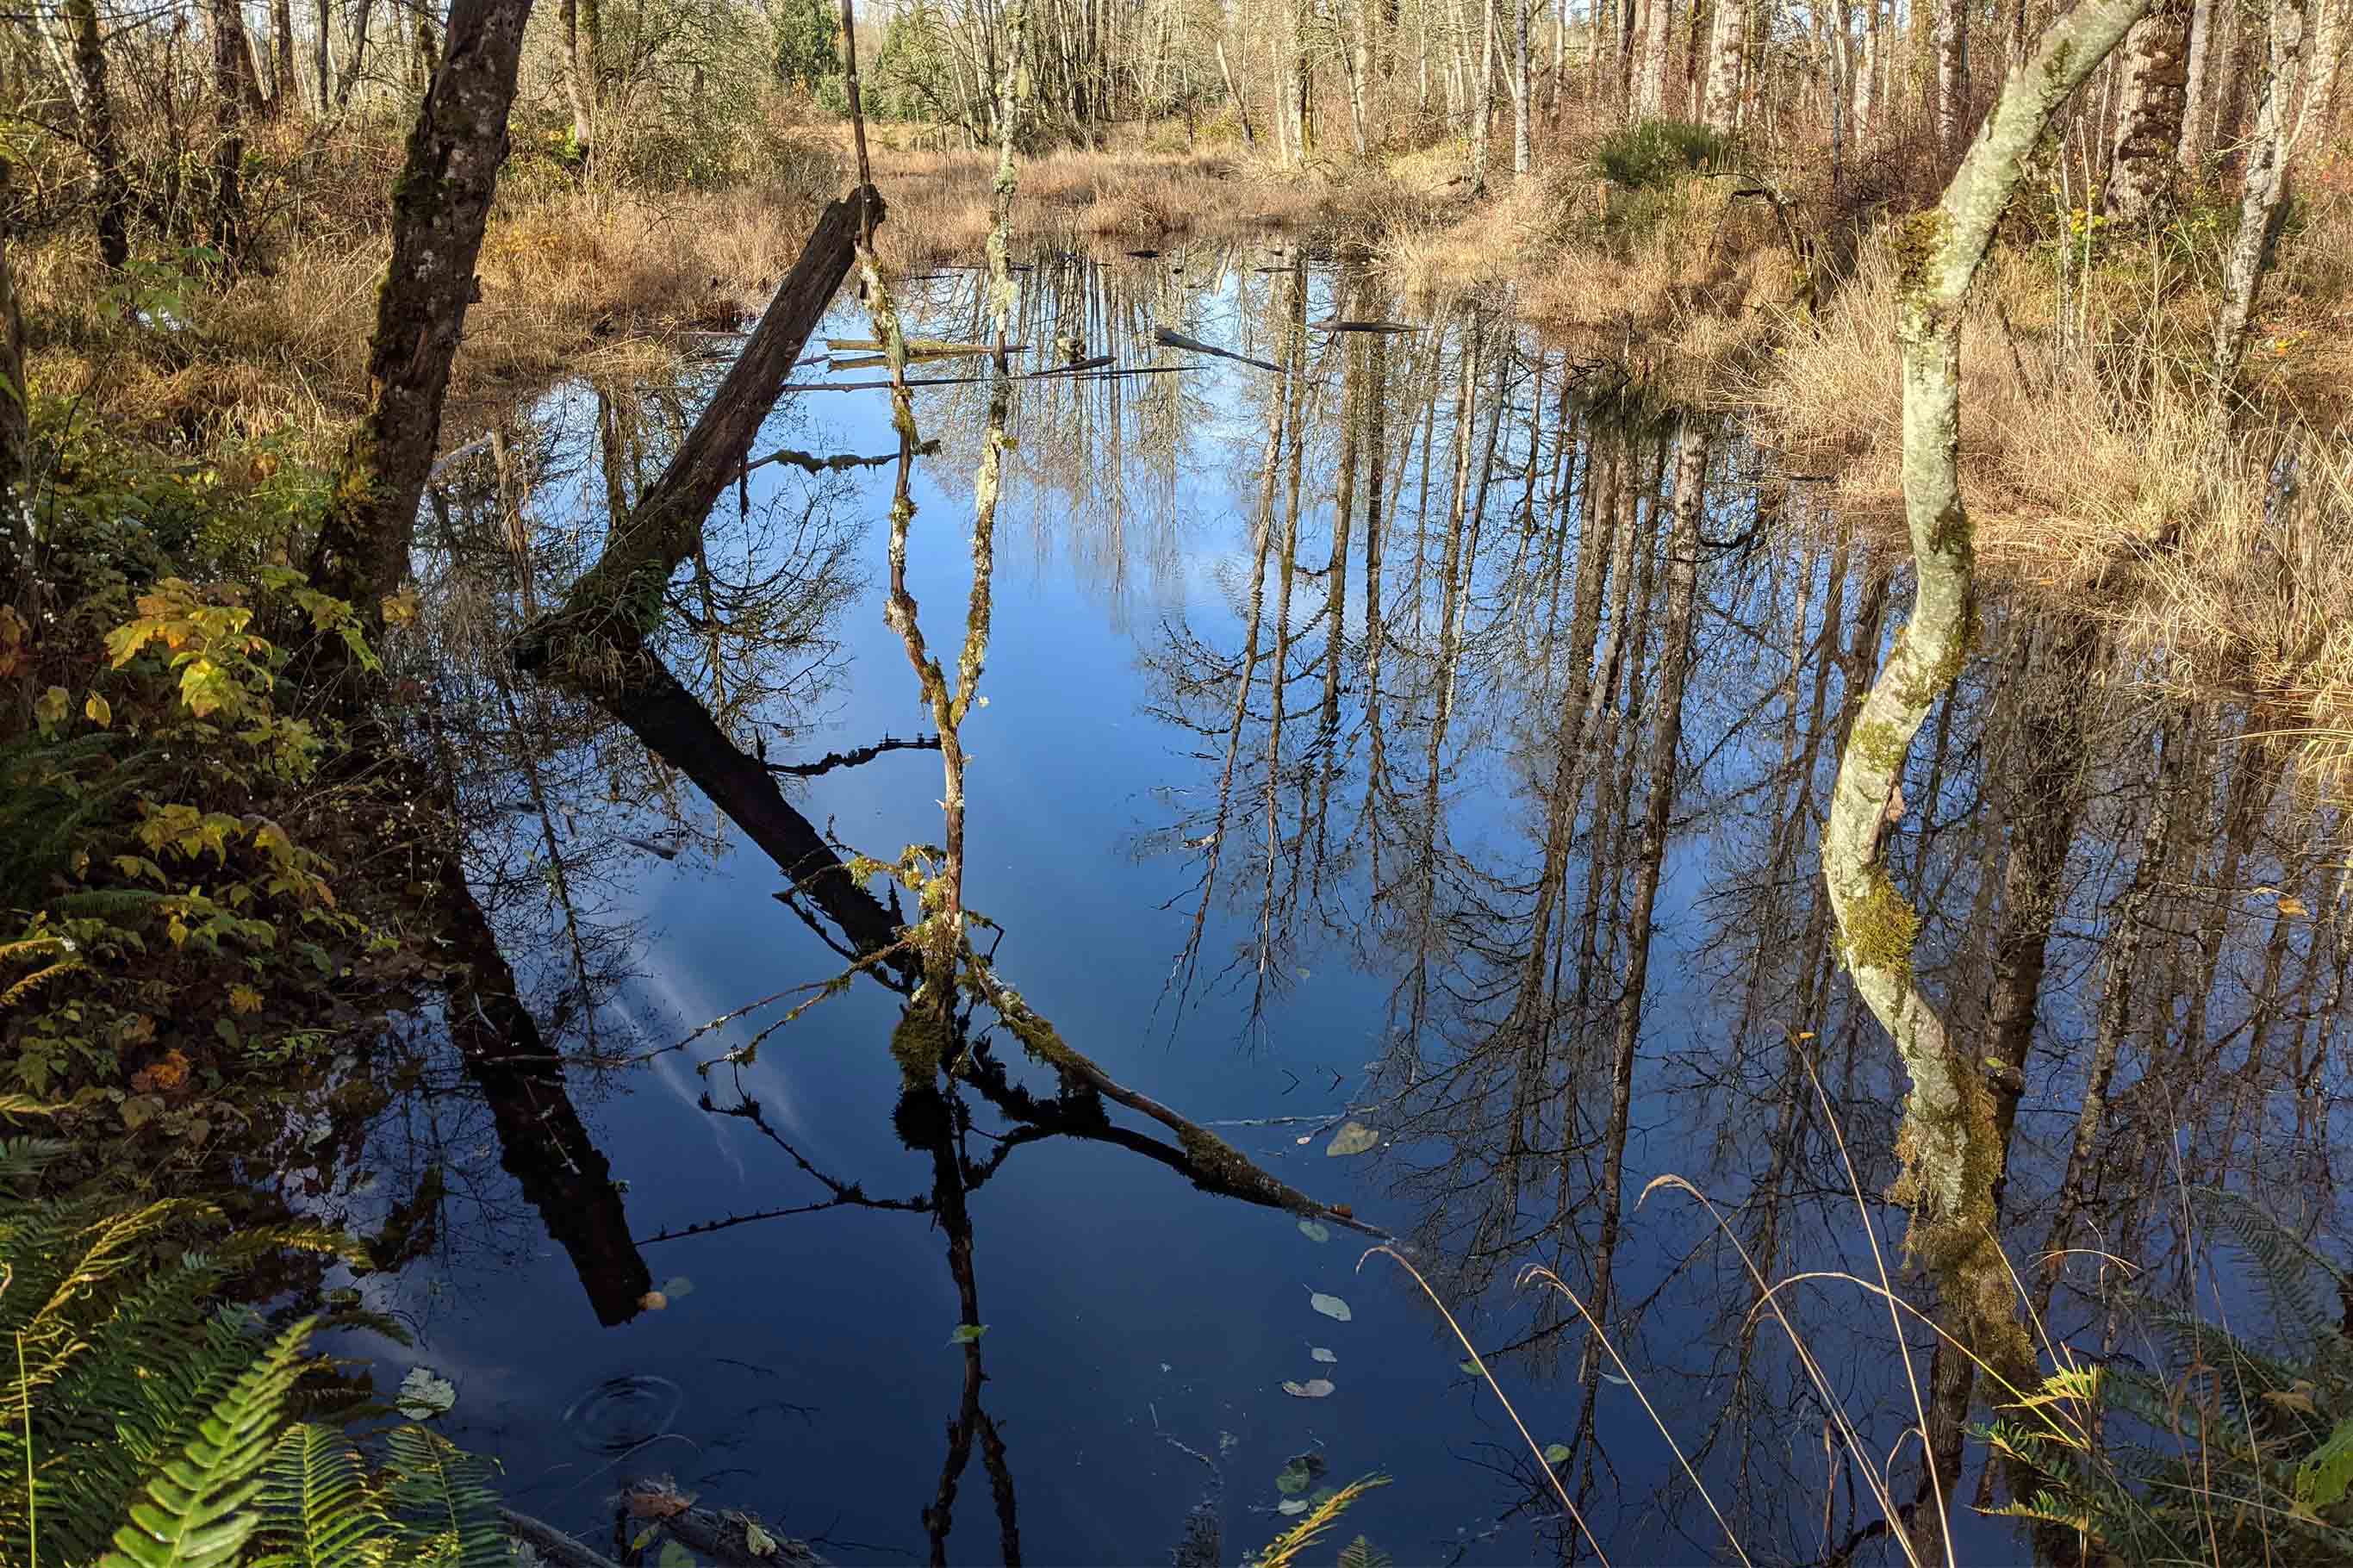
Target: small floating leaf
x=758, y=1541
x=1330, y=1306
x=678, y=1288
x=1317, y=1352
x=1557, y=1453
x=673, y=1555
x=1353, y=1138
x=2292, y=907
x=1470, y=1368
x=1290, y=1506
x=1293, y=1478
x=966, y=1332
x=1314, y=1232
x=424, y=1393
x=1314, y=1388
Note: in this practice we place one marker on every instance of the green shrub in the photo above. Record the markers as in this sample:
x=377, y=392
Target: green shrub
x=1659, y=152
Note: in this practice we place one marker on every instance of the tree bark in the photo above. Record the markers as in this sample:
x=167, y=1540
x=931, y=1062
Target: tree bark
x=231, y=67
x=15, y=424
x=580, y=79
x=2196, y=87
x=1952, y=72
x=1234, y=95
x=1951, y=1162
x=113, y=192
x=439, y=208
x=326, y=57
x=281, y=56
x=1725, y=49
x=1658, y=16
x=1521, y=154
x=2263, y=205
x=2156, y=69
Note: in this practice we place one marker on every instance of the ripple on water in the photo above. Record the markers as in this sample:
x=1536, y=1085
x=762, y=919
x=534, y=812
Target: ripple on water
x=624, y=1412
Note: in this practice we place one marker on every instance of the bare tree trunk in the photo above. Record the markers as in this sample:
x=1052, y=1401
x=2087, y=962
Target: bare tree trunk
x=2155, y=62
x=1234, y=95
x=1520, y=150
x=1658, y=17
x=113, y=193
x=281, y=56
x=1865, y=73
x=1359, y=65
x=2197, y=87
x=1951, y=1166
x=579, y=83
x=439, y=207
x=1726, y=46
x=1480, y=101
x=2264, y=206
x=230, y=66
x=16, y=423
x=326, y=57
x=2315, y=112
x=1952, y=72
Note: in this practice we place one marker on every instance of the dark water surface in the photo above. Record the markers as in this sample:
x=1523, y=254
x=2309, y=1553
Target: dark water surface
x=1288, y=814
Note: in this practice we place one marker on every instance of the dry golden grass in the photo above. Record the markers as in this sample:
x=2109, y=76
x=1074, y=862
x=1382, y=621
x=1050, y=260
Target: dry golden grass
x=567, y=279
x=2128, y=504
x=940, y=201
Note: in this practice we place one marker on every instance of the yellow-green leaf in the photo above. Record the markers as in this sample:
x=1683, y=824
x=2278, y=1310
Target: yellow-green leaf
x=98, y=710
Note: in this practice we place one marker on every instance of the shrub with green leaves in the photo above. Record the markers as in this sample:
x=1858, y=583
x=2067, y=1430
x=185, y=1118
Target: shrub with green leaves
x=1659, y=152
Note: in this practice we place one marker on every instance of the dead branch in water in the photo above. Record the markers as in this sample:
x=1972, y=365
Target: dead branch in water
x=1173, y=339
x=852, y=758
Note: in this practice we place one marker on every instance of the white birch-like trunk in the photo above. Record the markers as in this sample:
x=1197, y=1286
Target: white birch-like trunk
x=2263, y=205
x=1658, y=23
x=1951, y=1157
x=1725, y=48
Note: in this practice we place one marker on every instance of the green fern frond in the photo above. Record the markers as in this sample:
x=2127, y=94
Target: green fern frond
x=316, y=1508
x=1363, y=1554
x=194, y=1514
x=24, y=988
x=2321, y=1481
x=23, y=1158
x=107, y=903
x=442, y=1500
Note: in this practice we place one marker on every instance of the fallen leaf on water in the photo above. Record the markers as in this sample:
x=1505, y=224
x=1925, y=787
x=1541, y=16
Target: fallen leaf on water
x=1291, y=1505
x=966, y=1332
x=678, y=1288
x=2293, y=907
x=1314, y=1388
x=1330, y=1306
x=1314, y=1232
x=653, y=1301
x=1317, y=1352
x=673, y=1555
x=1470, y=1368
x=1353, y=1138
x=425, y=1393
x=758, y=1541
x=1557, y=1453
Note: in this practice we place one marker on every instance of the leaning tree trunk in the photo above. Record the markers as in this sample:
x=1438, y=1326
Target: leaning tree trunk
x=2156, y=63
x=439, y=208
x=2264, y=206
x=1234, y=95
x=113, y=191
x=1951, y=1157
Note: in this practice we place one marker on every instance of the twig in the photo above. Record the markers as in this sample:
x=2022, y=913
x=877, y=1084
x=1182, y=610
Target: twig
x=851, y=759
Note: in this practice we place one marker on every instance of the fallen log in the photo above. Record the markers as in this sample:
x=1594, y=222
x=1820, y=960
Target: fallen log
x=1336, y=325
x=1176, y=340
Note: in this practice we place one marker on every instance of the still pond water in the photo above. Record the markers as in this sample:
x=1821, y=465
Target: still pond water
x=1322, y=781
